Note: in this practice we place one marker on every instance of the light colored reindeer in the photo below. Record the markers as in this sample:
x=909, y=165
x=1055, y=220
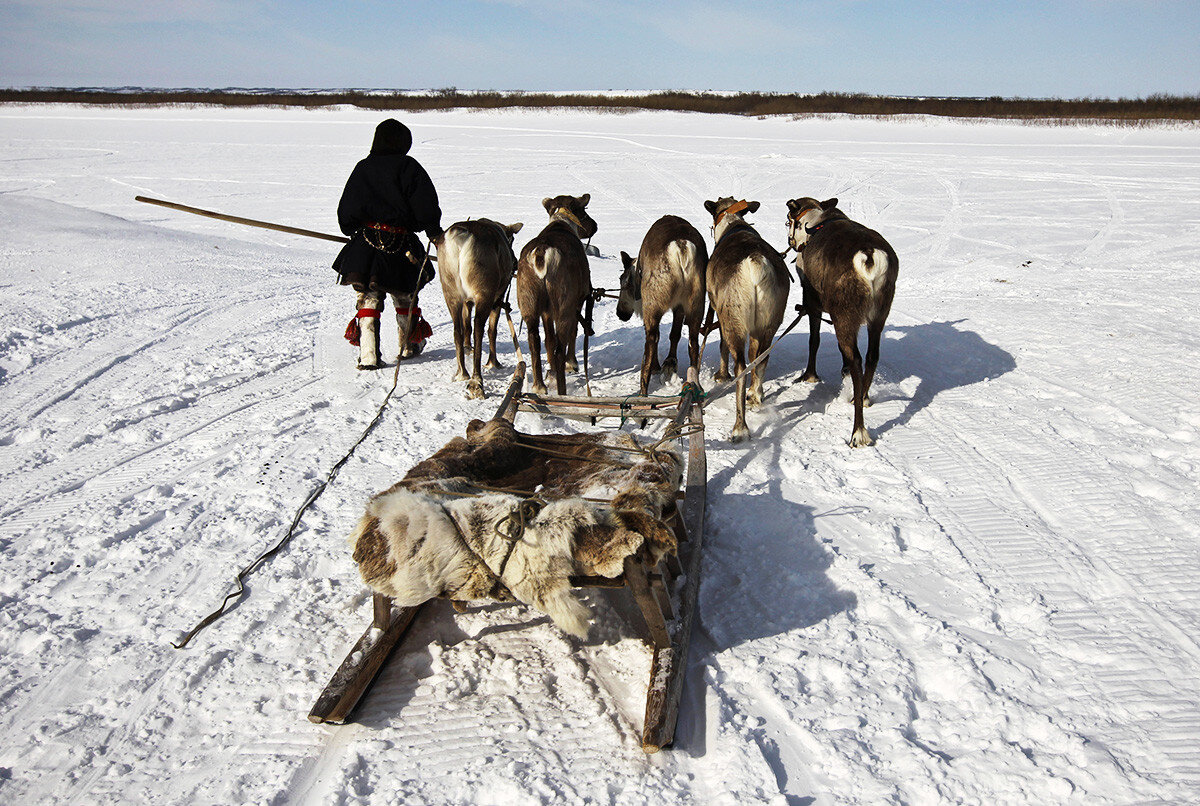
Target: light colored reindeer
x=849, y=271
x=748, y=284
x=553, y=282
x=477, y=264
x=668, y=275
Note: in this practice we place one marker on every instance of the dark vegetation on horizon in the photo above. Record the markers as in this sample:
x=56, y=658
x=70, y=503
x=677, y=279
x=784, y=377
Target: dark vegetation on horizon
x=1154, y=107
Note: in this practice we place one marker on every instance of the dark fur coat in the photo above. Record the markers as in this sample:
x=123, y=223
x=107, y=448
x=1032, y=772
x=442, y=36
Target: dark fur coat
x=388, y=187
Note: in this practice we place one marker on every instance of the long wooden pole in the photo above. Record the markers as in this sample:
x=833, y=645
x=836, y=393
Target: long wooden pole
x=250, y=222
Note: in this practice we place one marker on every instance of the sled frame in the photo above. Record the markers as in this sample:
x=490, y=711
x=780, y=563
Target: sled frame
x=665, y=594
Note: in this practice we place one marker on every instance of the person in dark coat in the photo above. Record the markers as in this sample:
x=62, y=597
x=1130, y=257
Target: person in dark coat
x=387, y=200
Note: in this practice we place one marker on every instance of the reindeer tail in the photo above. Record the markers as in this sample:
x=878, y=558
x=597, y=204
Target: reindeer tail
x=872, y=267
x=683, y=252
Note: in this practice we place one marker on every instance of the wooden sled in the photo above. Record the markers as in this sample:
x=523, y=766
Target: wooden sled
x=667, y=618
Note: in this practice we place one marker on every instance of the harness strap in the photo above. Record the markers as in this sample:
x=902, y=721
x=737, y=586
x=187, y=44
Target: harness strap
x=732, y=209
x=569, y=216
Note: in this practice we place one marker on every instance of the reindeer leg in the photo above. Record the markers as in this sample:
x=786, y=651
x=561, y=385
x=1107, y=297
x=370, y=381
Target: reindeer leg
x=694, y=343
x=670, y=367
x=723, y=372
x=740, y=431
x=459, y=315
x=493, y=320
x=557, y=352
x=475, y=385
x=650, y=354
x=754, y=393
x=538, y=387
x=847, y=336
x=812, y=309
x=466, y=314
x=568, y=346
x=874, y=332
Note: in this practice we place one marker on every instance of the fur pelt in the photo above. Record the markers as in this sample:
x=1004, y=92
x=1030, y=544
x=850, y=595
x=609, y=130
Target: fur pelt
x=437, y=534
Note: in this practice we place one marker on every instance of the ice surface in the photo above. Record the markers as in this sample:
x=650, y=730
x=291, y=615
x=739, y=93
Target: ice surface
x=998, y=602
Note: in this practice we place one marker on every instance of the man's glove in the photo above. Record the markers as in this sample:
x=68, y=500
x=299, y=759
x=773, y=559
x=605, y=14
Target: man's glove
x=435, y=234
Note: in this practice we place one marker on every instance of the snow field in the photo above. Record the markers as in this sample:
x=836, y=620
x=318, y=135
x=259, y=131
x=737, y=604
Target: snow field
x=998, y=602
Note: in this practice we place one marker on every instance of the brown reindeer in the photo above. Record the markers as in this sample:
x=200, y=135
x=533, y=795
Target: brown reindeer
x=849, y=271
x=553, y=281
x=748, y=284
x=477, y=263
x=668, y=275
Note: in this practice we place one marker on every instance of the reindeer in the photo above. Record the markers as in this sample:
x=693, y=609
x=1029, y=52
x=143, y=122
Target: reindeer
x=477, y=264
x=668, y=275
x=849, y=271
x=748, y=284
x=553, y=281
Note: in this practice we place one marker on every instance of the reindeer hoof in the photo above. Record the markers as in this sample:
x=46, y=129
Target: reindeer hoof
x=861, y=438
x=492, y=364
x=572, y=365
x=753, y=399
x=809, y=377
x=722, y=376
x=475, y=390
x=461, y=376
x=866, y=402
x=669, y=371
x=364, y=367
x=740, y=434
x=538, y=389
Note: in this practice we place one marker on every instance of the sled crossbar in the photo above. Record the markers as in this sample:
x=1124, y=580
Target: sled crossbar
x=667, y=607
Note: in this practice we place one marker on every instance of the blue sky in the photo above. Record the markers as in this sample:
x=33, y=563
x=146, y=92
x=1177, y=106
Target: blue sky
x=1073, y=48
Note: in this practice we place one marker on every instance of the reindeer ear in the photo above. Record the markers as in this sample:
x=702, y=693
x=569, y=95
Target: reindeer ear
x=793, y=205
x=626, y=260
x=829, y=204
x=513, y=229
x=752, y=207
x=711, y=206
x=585, y=198
x=547, y=202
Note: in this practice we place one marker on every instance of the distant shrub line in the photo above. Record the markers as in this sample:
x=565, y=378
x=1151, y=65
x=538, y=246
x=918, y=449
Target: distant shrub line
x=1154, y=107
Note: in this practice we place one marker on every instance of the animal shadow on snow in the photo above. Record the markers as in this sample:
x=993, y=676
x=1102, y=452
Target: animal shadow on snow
x=942, y=357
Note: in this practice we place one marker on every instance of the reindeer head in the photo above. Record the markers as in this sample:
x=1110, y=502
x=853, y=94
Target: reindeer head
x=570, y=209
x=727, y=211
x=630, y=300
x=804, y=213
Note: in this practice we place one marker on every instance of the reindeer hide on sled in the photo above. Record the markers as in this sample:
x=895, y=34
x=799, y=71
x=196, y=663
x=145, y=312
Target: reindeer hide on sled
x=587, y=502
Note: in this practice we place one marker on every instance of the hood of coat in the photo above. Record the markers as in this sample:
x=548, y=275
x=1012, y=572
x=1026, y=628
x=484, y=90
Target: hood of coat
x=391, y=137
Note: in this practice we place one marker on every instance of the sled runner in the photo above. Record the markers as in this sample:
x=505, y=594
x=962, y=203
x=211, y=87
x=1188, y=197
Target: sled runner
x=642, y=534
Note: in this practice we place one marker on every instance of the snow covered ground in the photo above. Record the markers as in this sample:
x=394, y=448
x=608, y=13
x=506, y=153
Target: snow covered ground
x=999, y=602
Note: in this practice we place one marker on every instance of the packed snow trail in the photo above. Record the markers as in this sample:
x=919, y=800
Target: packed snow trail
x=999, y=601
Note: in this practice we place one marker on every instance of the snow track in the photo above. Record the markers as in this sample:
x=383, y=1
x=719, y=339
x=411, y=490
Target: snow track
x=998, y=602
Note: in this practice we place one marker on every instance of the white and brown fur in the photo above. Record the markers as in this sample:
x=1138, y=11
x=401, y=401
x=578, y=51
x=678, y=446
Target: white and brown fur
x=477, y=264
x=668, y=275
x=748, y=284
x=420, y=540
x=849, y=271
x=553, y=282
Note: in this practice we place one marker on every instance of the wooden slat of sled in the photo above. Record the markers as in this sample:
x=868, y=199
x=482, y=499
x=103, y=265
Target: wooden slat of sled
x=352, y=679
x=669, y=666
x=388, y=625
